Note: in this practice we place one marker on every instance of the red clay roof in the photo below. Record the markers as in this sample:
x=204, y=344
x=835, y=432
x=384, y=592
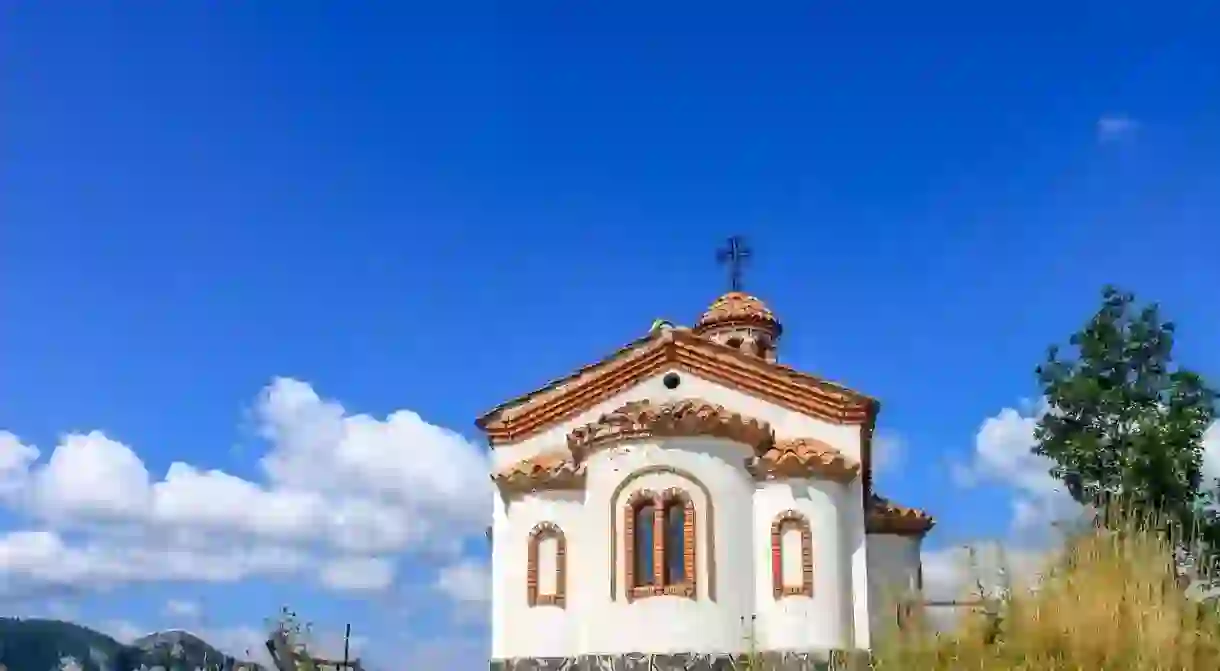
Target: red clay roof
x=737, y=307
x=804, y=457
x=674, y=348
x=543, y=471
x=887, y=517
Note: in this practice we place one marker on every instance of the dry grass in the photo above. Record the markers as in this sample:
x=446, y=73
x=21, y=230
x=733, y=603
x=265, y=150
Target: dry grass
x=1110, y=602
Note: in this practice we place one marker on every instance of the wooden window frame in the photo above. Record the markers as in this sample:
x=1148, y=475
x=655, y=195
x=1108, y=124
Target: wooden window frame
x=688, y=586
x=543, y=531
x=781, y=524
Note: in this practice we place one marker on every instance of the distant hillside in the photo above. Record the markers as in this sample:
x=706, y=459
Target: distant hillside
x=177, y=647
x=40, y=645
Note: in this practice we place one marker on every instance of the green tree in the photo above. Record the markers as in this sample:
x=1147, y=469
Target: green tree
x=1124, y=423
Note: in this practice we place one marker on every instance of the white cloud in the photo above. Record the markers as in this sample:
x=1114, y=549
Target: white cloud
x=402, y=457
x=358, y=573
x=1002, y=455
x=91, y=476
x=182, y=608
x=889, y=450
x=15, y=461
x=1211, y=453
x=1115, y=126
x=44, y=558
x=957, y=573
x=336, y=486
x=468, y=581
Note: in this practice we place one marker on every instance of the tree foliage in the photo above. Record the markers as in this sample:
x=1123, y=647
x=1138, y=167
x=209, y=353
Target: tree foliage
x=1124, y=421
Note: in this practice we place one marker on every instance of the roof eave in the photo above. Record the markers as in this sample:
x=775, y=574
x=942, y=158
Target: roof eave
x=491, y=415
x=671, y=345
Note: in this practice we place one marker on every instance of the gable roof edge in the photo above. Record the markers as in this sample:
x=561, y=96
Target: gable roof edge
x=679, y=347
x=491, y=415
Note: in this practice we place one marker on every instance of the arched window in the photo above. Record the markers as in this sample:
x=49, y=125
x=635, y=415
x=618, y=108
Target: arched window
x=644, y=542
x=660, y=544
x=678, y=549
x=639, y=526
x=546, y=567
x=791, y=555
x=675, y=542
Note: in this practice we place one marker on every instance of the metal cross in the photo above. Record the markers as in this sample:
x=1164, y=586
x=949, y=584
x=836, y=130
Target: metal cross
x=734, y=255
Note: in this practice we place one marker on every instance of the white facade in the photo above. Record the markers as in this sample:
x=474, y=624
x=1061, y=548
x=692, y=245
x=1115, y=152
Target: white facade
x=735, y=607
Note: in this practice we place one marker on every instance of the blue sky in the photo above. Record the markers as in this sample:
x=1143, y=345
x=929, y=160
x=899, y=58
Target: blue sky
x=404, y=207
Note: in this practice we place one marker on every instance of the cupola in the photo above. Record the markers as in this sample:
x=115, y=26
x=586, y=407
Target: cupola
x=743, y=322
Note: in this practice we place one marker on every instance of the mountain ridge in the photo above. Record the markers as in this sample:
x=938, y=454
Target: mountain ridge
x=37, y=644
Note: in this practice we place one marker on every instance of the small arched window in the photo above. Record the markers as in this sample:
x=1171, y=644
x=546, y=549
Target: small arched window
x=791, y=555
x=546, y=567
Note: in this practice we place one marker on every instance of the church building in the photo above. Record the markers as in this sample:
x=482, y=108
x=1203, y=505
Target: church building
x=688, y=499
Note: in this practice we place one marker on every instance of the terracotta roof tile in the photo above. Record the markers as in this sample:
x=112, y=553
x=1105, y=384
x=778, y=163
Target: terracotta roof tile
x=805, y=457
x=544, y=471
x=737, y=307
x=647, y=356
x=887, y=517
x=620, y=356
x=683, y=349
x=685, y=417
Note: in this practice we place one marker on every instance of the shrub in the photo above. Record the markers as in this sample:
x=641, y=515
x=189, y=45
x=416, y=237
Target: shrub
x=1111, y=600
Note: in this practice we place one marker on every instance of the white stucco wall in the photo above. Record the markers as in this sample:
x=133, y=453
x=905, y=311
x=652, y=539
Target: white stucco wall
x=593, y=622
x=893, y=573
x=799, y=622
x=855, y=542
x=713, y=621
x=519, y=630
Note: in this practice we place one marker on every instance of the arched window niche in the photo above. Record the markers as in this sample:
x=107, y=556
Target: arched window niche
x=546, y=570
x=791, y=562
x=659, y=544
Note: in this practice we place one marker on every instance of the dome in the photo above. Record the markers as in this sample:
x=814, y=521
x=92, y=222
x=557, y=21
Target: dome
x=742, y=322
x=738, y=308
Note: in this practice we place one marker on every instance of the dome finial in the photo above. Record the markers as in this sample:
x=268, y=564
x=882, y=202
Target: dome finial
x=737, y=319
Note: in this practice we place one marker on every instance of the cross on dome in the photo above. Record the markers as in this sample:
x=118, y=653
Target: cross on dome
x=737, y=319
x=734, y=255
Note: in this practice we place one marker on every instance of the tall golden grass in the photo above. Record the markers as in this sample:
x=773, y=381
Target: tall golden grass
x=1110, y=601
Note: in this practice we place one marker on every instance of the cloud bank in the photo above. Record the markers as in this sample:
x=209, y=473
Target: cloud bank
x=341, y=496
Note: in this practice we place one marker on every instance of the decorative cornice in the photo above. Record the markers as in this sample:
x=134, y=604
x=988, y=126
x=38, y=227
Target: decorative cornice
x=681, y=349
x=804, y=458
x=544, y=471
x=886, y=517
x=686, y=417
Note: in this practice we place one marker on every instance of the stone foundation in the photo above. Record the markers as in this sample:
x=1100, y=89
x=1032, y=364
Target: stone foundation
x=768, y=661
